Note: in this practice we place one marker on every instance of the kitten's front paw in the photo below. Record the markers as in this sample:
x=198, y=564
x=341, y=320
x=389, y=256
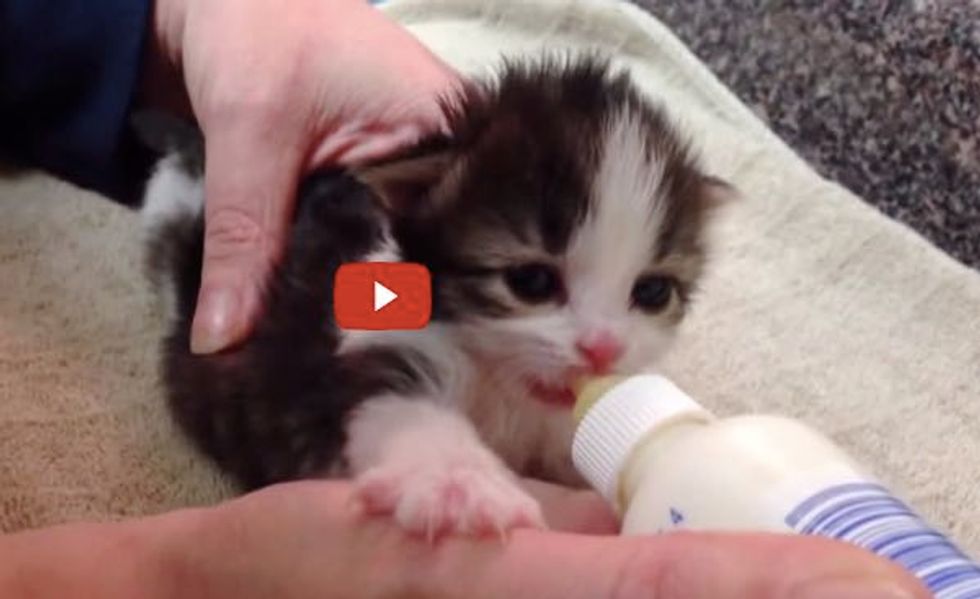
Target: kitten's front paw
x=431, y=500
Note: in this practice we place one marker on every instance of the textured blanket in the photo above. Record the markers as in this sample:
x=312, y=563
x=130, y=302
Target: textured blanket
x=816, y=307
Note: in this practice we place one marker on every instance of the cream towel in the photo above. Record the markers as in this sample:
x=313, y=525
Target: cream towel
x=818, y=307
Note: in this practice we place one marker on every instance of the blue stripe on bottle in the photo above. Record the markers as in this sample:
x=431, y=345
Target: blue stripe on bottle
x=867, y=515
x=948, y=578
x=822, y=498
x=840, y=511
x=886, y=542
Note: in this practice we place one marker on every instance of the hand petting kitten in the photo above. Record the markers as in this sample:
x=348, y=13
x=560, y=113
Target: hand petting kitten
x=343, y=85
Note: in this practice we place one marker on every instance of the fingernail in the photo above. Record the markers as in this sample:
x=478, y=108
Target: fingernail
x=215, y=321
x=852, y=589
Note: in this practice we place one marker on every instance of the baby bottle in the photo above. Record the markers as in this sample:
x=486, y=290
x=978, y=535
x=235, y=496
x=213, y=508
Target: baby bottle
x=664, y=462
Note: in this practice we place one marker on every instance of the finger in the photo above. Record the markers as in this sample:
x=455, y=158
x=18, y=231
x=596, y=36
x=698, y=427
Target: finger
x=250, y=182
x=674, y=566
x=400, y=125
x=572, y=510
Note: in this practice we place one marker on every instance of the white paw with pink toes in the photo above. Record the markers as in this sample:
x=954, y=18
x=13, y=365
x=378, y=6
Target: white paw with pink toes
x=431, y=500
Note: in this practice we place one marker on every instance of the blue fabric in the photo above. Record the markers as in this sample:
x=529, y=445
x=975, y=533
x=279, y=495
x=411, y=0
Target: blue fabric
x=69, y=70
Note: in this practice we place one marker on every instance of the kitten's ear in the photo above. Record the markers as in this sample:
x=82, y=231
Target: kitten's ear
x=718, y=193
x=402, y=184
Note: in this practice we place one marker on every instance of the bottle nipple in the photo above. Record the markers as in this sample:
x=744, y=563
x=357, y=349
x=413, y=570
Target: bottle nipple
x=613, y=414
x=588, y=390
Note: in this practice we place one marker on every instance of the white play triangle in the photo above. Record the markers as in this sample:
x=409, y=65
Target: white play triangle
x=382, y=296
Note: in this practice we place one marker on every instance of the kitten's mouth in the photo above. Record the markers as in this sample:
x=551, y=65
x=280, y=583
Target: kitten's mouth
x=552, y=395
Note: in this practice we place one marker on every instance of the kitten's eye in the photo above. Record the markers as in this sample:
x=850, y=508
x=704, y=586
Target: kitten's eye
x=533, y=282
x=652, y=293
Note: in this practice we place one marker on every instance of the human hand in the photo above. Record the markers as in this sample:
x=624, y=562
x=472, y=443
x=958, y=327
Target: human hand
x=307, y=539
x=279, y=88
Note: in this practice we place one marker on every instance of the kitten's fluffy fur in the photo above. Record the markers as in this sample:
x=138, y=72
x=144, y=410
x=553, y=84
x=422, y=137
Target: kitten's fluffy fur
x=560, y=165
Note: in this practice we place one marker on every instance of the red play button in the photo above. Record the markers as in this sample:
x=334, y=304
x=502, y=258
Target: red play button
x=382, y=296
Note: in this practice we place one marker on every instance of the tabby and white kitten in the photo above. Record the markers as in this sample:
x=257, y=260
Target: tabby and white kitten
x=563, y=220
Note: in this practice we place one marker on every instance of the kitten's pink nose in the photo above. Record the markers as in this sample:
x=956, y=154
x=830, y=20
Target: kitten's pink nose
x=601, y=350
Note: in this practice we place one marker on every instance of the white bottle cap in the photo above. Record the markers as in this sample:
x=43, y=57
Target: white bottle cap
x=619, y=419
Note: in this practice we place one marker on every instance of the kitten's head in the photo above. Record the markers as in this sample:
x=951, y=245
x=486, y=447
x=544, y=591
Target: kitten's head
x=563, y=222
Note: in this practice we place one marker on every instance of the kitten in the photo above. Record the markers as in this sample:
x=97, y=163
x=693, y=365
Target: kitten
x=563, y=220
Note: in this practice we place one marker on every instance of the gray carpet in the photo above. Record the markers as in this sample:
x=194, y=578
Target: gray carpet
x=883, y=97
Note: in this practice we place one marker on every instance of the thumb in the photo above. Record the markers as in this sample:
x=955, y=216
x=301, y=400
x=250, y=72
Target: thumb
x=250, y=183
x=572, y=510
x=677, y=566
